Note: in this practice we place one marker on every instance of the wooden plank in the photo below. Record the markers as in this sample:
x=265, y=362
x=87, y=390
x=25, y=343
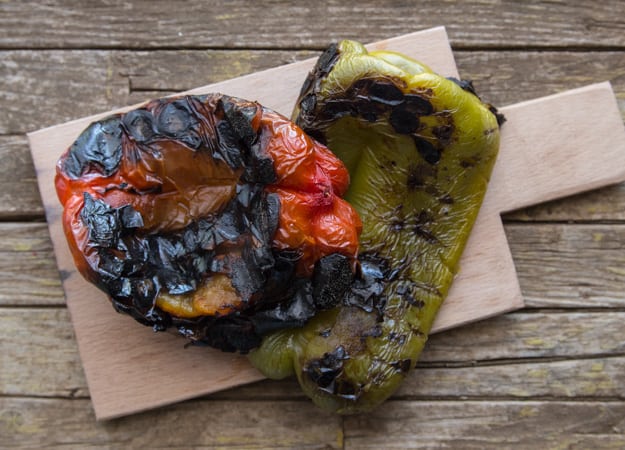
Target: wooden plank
x=488, y=425
x=76, y=83
x=28, y=272
x=262, y=24
x=600, y=378
x=518, y=355
x=19, y=194
x=54, y=423
x=529, y=336
x=41, y=423
x=39, y=355
x=576, y=266
x=41, y=88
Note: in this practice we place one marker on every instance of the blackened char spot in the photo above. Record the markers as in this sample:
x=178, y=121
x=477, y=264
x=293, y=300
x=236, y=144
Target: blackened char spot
x=500, y=117
x=333, y=109
x=326, y=372
x=403, y=121
x=307, y=104
x=360, y=88
x=425, y=148
x=397, y=224
x=155, y=318
x=247, y=278
x=240, y=118
x=139, y=292
x=230, y=150
x=292, y=313
x=327, y=59
x=231, y=334
x=99, y=146
x=228, y=226
x=139, y=124
x=105, y=224
x=366, y=110
x=366, y=289
x=386, y=93
x=406, y=294
x=262, y=216
x=332, y=277
x=259, y=168
x=323, y=371
x=130, y=217
x=402, y=365
x=416, y=104
x=279, y=280
x=174, y=119
x=177, y=120
x=470, y=161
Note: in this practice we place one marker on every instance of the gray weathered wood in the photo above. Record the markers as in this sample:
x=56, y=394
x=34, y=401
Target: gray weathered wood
x=264, y=24
x=489, y=425
x=39, y=354
x=580, y=378
x=28, y=271
x=54, y=423
x=570, y=266
x=517, y=355
x=43, y=88
x=530, y=335
x=19, y=194
x=41, y=423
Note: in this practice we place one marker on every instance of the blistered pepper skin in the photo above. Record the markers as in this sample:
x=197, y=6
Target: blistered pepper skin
x=420, y=149
x=206, y=213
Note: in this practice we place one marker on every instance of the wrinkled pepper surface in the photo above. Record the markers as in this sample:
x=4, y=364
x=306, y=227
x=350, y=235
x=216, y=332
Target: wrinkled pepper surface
x=210, y=214
x=419, y=149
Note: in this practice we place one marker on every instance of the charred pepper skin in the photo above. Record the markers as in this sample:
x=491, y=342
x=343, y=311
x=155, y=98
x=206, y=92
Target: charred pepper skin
x=420, y=149
x=209, y=214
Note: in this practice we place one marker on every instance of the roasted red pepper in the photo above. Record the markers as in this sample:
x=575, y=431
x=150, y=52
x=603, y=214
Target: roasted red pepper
x=208, y=213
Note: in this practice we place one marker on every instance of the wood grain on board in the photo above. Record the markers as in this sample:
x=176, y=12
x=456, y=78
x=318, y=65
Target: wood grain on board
x=119, y=356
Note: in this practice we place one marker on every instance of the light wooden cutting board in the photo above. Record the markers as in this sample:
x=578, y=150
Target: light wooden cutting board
x=551, y=147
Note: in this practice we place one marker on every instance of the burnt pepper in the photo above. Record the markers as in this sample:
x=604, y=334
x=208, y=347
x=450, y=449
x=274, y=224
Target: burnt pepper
x=208, y=213
x=419, y=149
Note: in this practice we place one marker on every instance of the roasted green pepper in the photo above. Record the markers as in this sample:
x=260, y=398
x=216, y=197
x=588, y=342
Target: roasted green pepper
x=419, y=149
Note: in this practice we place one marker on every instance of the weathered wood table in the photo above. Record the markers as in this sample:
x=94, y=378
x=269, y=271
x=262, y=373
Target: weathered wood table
x=551, y=375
